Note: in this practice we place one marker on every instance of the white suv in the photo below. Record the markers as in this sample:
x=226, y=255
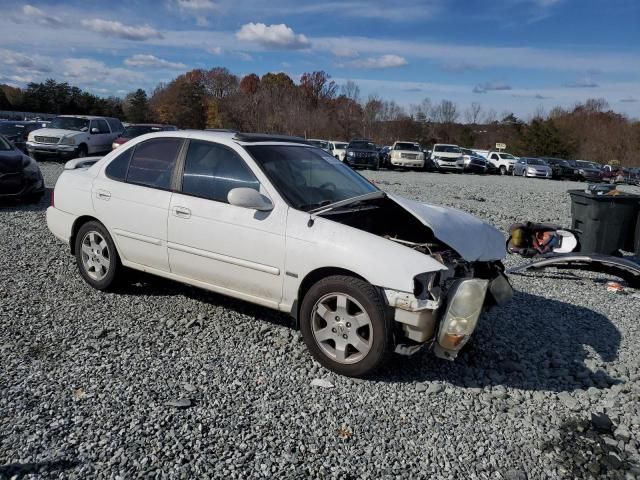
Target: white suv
x=448, y=157
x=406, y=154
x=71, y=136
x=503, y=161
x=338, y=149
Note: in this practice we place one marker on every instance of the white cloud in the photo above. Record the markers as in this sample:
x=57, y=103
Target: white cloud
x=491, y=86
x=385, y=61
x=244, y=56
x=151, y=61
x=488, y=56
x=582, y=83
x=215, y=50
x=197, y=5
x=117, y=29
x=629, y=100
x=24, y=63
x=87, y=71
x=39, y=16
x=278, y=36
x=344, y=52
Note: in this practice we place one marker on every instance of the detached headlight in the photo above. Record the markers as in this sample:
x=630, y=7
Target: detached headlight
x=350, y=154
x=531, y=170
x=466, y=298
x=67, y=141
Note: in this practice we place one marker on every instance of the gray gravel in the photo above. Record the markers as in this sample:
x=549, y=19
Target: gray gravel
x=167, y=381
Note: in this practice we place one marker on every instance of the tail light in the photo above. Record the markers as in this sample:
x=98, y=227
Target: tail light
x=53, y=198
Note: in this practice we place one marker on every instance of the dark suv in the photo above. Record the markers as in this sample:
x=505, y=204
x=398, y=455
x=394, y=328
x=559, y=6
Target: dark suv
x=562, y=169
x=362, y=154
x=18, y=131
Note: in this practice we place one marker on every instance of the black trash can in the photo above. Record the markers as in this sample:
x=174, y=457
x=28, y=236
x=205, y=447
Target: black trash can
x=606, y=222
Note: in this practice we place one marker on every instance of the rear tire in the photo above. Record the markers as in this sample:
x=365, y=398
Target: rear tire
x=346, y=326
x=96, y=256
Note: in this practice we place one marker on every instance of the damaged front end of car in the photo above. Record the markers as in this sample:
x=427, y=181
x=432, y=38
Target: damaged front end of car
x=444, y=309
x=467, y=276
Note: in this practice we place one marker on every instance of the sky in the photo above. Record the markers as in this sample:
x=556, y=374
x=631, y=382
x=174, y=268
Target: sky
x=510, y=55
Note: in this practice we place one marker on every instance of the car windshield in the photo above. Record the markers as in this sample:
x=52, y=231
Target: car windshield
x=70, y=123
x=11, y=129
x=535, y=161
x=4, y=144
x=447, y=149
x=362, y=146
x=308, y=178
x=507, y=156
x=407, y=146
x=340, y=146
x=133, y=131
x=585, y=164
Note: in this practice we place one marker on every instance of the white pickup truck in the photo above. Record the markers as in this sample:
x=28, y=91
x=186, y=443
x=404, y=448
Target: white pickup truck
x=502, y=161
x=74, y=136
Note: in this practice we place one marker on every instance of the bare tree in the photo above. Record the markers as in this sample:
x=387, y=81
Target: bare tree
x=473, y=113
x=351, y=90
x=446, y=112
x=491, y=116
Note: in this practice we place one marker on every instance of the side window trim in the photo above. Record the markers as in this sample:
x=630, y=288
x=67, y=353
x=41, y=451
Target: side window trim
x=132, y=154
x=182, y=158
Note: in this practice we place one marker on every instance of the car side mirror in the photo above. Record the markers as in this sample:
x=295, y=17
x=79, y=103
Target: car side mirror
x=249, y=198
x=95, y=130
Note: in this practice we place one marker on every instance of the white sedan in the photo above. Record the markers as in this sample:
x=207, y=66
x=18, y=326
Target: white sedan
x=274, y=221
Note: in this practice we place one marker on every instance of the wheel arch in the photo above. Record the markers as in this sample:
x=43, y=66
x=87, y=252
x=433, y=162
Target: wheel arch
x=76, y=228
x=311, y=279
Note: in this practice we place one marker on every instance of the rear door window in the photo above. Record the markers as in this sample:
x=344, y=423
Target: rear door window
x=153, y=162
x=211, y=171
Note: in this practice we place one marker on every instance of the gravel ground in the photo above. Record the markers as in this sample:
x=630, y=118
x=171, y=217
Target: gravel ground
x=167, y=381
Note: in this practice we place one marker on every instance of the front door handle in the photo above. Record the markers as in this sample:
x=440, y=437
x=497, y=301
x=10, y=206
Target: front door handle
x=103, y=194
x=182, y=212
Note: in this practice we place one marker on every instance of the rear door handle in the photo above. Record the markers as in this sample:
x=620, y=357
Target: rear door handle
x=103, y=194
x=182, y=212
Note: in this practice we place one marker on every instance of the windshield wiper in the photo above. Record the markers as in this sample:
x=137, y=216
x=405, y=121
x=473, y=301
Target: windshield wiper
x=349, y=201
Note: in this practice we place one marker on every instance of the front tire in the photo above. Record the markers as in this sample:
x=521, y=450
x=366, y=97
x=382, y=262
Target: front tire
x=82, y=151
x=503, y=170
x=346, y=326
x=96, y=256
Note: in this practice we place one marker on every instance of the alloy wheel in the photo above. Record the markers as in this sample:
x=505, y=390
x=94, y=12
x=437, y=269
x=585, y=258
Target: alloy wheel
x=341, y=328
x=96, y=258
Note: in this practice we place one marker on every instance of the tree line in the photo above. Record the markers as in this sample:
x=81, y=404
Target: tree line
x=317, y=107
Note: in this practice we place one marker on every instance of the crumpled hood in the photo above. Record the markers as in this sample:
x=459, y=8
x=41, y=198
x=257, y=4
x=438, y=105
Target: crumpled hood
x=54, y=132
x=473, y=239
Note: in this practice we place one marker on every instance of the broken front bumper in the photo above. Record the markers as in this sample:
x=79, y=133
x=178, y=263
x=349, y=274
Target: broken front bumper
x=449, y=323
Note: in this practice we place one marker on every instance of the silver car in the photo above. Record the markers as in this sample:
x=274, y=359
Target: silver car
x=532, y=167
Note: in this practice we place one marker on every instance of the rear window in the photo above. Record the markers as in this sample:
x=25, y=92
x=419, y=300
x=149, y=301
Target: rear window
x=133, y=131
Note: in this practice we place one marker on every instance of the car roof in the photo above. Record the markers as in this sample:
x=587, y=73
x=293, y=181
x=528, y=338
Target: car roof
x=228, y=138
x=86, y=117
x=149, y=125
